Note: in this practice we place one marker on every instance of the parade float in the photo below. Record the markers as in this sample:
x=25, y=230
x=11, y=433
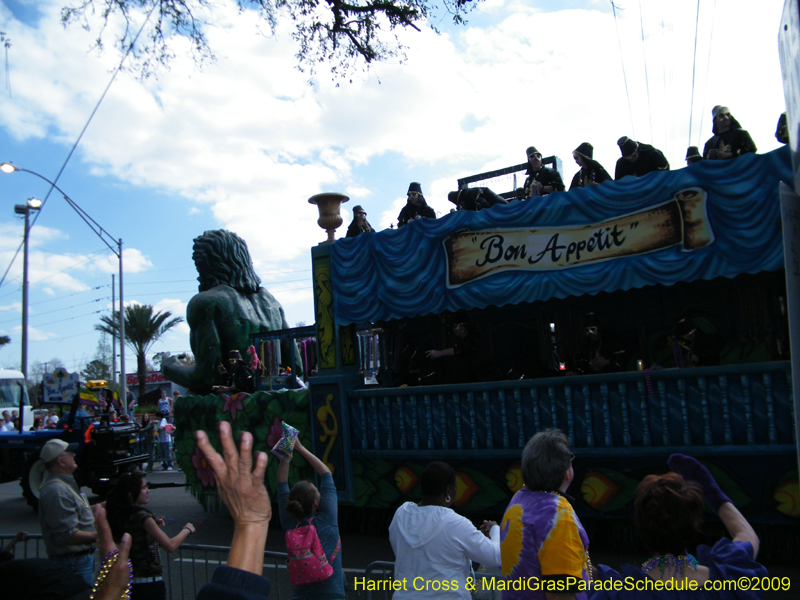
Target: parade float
x=702, y=243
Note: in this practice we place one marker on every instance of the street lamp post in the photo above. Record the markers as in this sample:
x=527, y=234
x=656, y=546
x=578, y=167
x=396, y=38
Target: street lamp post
x=25, y=209
x=107, y=240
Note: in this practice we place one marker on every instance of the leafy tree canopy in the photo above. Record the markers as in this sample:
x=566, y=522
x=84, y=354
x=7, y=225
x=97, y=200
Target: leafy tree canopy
x=96, y=369
x=340, y=33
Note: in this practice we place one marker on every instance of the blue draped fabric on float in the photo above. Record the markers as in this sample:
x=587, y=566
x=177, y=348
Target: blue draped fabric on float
x=404, y=272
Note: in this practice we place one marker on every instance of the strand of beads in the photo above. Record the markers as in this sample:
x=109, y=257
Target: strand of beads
x=649, y=384
x=108, y=563
x=676, y=563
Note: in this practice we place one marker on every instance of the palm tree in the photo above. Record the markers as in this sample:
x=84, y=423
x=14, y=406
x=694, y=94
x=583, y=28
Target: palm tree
x=142, y=329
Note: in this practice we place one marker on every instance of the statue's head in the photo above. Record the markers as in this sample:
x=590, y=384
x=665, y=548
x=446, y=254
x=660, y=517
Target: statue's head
x=221, y=257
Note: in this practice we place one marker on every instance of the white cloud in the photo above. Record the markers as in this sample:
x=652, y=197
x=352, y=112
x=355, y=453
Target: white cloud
x=34, y=334
x=249, y=136
x=246, y=142
x=178, y=309
x=133, y=261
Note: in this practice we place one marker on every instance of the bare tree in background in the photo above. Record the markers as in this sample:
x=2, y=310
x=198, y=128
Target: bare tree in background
x=344, y=35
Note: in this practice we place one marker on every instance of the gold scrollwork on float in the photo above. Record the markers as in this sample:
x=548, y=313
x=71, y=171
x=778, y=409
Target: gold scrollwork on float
x=323, y=311
x=330, y=432
x=347, y=336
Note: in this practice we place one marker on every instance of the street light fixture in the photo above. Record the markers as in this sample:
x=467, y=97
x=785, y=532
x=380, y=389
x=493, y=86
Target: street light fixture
x=34, y=204
x=25, y=209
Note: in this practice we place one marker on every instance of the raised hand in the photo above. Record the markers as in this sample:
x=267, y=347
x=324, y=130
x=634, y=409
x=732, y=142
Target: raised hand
x=691, y=470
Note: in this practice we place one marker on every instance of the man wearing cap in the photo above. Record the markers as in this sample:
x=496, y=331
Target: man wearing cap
x=416, y=207
x=64, y=515
x=540, y=180
x=693, y=156
x=360, y=224
x=638, y=159
x=591, y=172
x=729, y=139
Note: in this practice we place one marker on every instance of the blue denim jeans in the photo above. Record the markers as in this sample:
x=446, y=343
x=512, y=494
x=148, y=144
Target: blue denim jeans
x=80, y=565
x=166, y=456
x=149, y=449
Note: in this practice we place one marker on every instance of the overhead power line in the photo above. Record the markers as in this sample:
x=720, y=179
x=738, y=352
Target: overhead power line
x=708, y=67
x=50, y=312
x=694, y=70
x=624, y=77
x=646, y=78
x=78, y=140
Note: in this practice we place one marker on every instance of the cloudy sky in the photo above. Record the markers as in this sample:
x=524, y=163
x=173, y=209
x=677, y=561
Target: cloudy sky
x=243, y=143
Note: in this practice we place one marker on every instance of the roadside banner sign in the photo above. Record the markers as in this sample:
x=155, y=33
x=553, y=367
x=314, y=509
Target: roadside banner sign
x=60, y=386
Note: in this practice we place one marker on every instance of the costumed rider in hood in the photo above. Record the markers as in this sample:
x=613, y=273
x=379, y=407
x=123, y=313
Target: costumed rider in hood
x=782, y=131
x=416, y=207
x=600, y=352
x=360, y=223
x=638, y=159
x=476, y=198
x=239, y=376
x=729, y=139
x=540, y=180
x=592, y=172
x=693, y=156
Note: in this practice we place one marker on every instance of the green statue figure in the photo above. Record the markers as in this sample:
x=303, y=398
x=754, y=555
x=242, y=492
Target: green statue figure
x=230, y=307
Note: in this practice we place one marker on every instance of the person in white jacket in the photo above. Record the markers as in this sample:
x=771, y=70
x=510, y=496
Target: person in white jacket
x=434, y=547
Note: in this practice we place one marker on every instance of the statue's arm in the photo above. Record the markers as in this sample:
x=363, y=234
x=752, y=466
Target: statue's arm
x=206, y=347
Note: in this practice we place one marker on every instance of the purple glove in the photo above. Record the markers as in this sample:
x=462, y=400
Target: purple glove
x=691, y=470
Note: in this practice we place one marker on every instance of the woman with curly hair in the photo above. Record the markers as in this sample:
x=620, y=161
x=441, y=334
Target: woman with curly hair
x=127, y=514
x=669, y=519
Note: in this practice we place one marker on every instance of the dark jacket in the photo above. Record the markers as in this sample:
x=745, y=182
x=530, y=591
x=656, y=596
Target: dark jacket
x=545, y=176
x=356, y=229
x=228, y=583
x=475, y=198
x=592, y=173
x=650, y=159
x=735, y=140
x=411, y=211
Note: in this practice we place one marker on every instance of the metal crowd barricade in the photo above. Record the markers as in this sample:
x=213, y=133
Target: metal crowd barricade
x=384, y=570
x=32, y=547
x=185, y=570
x=192, y=565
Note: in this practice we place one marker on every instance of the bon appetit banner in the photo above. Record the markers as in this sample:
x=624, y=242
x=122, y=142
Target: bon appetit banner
x=681, y=221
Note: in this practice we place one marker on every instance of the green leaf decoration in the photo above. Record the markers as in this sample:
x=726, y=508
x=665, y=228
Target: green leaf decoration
x=733, y=490
x=489, y=493
x=258, y=412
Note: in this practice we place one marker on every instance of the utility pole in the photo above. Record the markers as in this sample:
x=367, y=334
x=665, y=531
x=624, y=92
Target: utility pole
x=123, y=396
x=113, y=334
x=25, y=209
